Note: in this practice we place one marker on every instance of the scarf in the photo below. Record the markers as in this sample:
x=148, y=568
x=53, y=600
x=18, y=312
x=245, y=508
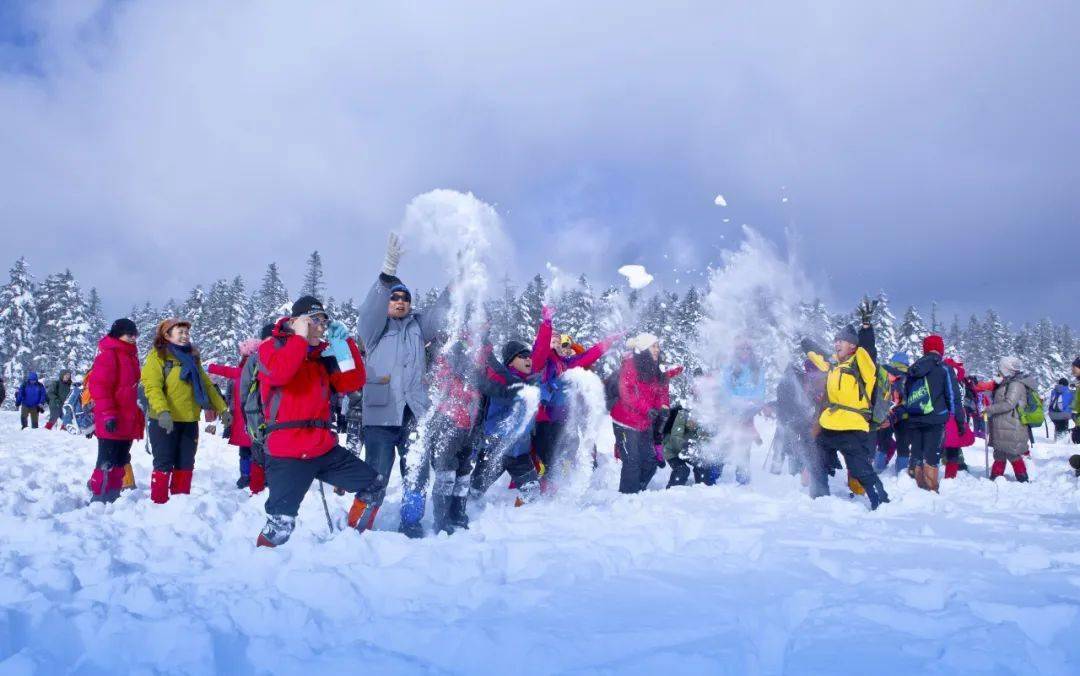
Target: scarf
x=190, y=373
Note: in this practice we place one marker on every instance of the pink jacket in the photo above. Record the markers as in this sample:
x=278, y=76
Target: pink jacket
x=114, y=383
x=238, y=435
x=636, y=398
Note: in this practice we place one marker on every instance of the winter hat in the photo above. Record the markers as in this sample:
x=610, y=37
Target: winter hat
x=1009, y=366
x=933, y=343
x=848, y=334
x=267, y=331
x=123, y=327
x=249, y=347
x=898, y=364
x=642, y=342
x=308, y=306
x=401, y=288
x=513, y=349
x=169, y=324
x=1076, y=362
x=32, y=376
x=1064, y=381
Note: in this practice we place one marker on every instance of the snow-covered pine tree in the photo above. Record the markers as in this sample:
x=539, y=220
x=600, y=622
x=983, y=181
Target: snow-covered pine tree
x=314, y=284
x=911, y=332
x=681, y=344
x=271, y=297
x=1066, y=345
x=815, y=321
x=348, y=313
x=530, y=306
x=997, y=340
x=888, y=343
x=18, y=325
x=501, y=314
x=99, y=326
x=225, y=322
x=192, y=310
x=1050, y=363
x=575, y=313
x=974, y=355
x=146, y=319
x=954, y=339
x=63, y=336
x=935, y=325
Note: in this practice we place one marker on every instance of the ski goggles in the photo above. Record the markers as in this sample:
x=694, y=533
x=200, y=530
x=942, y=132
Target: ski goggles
x=400, y=297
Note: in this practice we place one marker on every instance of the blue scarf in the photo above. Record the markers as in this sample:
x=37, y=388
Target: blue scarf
x=189, y=372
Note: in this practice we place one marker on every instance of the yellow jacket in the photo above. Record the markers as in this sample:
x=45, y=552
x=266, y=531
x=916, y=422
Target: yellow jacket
x=173, y=394
x=842, y=389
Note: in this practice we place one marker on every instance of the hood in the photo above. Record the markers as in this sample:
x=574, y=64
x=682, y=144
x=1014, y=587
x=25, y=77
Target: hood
x=924, y=364
x=1027, y=379
x=31, y=377
x=63, y=373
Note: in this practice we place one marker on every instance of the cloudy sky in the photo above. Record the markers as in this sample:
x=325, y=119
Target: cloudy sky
x=927, y=148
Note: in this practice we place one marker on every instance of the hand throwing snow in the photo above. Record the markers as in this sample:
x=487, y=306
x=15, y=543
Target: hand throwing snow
x=394, y=252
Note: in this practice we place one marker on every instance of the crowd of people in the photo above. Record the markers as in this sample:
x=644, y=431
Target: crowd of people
x=457, y=412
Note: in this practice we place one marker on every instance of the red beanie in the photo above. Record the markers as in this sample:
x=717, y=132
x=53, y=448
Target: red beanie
x=933, y=343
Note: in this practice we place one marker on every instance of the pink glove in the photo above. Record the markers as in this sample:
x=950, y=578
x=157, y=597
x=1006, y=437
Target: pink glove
x=658, y=450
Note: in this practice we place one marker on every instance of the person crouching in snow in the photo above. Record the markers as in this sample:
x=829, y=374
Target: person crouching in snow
x=845, y=420
x=177, y=390
x=643, y=392
x=299, y=370
x=118, y=420
x=1008, y=434
x=507, y=423
x=238, y=434
x=932, y=396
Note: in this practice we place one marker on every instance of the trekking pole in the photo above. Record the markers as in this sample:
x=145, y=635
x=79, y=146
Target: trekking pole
x=986, y=443
x=326, y=508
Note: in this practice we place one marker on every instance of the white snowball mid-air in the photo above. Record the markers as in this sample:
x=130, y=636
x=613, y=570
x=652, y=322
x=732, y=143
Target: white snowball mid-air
x=720, y=201
x=636, y=276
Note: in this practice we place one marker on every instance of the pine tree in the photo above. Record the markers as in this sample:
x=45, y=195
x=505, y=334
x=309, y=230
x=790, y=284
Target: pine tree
x=884, y=323
x=192, y=310
x=996, y=339
x=99, y=326
x=954, y=339
x=271, y=299
x=502, y=313
x=911, y=333
x=575, y=313
x=64, y=340
x=348, y=313
x=225, y=321
x=314, y=285
x=530, y=306
x=815, y=322
x=681, y=344
x=146, y=319
x=18, y=324
x=935, y=326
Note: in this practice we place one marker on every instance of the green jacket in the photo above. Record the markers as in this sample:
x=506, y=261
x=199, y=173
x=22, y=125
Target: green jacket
x=1076, y=405
x=684, y=433
x=58, y=392
x=173, y=394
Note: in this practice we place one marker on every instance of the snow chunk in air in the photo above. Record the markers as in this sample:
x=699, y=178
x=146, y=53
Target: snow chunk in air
x=636, y=276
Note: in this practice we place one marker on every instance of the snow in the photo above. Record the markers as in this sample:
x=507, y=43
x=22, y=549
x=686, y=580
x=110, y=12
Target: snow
x=983, y=578
x=720, y=201
x=636, y=276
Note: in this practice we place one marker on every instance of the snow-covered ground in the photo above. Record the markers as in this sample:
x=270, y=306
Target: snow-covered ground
x=984, y=578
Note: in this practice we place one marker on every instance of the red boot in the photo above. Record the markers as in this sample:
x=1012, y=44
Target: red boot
x=951, y=468
x=114, y=481
x=49, y=425
x=258, y=479
x=97, y=485
x=181, y=482
x=1020, y=470
x=159, y=487
x=997, y=469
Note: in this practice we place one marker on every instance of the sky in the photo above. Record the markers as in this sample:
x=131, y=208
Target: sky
x=926, y=148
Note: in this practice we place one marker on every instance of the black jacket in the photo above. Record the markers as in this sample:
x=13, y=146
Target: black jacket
x=945, y=396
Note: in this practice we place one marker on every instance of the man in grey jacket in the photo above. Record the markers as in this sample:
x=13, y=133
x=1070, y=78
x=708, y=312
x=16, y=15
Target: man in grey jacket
x=395, y=396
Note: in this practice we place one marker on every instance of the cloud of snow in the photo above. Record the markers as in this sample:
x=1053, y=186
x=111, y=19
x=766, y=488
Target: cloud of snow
x=636, y=276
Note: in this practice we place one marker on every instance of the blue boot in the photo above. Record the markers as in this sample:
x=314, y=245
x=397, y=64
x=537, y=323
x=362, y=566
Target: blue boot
x=245, y=473
x=412, y=511
x=881, y=461
x=902, y=463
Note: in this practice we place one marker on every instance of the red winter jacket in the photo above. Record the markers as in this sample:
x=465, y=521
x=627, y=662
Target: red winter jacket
x=114, y=383
x=637, y=398
x=295, y=386
x=238, y=434
x=459, y=401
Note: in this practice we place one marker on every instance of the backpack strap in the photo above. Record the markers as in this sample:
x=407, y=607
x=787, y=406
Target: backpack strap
x=298, y=424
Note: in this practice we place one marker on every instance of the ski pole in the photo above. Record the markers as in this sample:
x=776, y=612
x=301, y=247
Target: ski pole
x=986, y=443
x=326, y=508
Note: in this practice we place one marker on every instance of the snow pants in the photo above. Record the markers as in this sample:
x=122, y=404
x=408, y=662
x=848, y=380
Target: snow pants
x=491, y=466
x=638, y=459
x=30, y=412
x=451, y=457
x=1061, y=428
x=703, y=473
x=855, y=447
x=554, y=442
x=290, y=478
x=380, y=445
x=113, y=453
x=174, y=450
x=927, y=442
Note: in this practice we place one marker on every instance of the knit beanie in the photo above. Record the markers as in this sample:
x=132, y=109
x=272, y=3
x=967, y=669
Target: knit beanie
x=642, y=342
x=933, y=343
x=848, y=334
x=513, y=349
x=123, y=327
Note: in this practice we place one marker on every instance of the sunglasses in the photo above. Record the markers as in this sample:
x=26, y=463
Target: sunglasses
x=399, y=298
x=319, y=320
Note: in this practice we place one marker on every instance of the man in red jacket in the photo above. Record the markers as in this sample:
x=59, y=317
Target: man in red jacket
x=297, y=370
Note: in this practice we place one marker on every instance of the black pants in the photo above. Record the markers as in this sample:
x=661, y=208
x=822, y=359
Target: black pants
x=451, y=457
x=903, y=439
x=927, y=442
x=382, y=442
x=113, y=453
x=175, y=450
x=680, y=473
x=1061, y=427
x=490, y=466
x=638, y=458
x=855, y=448
x=290, y=478
x=553, y=441
x=29, y=412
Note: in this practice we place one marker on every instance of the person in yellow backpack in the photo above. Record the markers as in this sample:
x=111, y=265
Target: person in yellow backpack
x=847, y=409
x=177, y=391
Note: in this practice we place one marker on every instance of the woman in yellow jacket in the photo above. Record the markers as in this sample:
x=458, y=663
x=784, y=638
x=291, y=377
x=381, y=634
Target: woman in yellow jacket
x=177, y=391
x=847, y=410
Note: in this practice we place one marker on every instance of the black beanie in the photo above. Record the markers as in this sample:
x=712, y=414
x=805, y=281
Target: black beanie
x=1076, y=362
x=266, y=332
x=307, y=305
x=123, y=327
x=513, y=349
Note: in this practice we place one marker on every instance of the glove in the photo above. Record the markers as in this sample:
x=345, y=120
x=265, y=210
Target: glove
x=110, y=425
x=394, y=252
x=40, y=409
x=547, y=313
x=338, y=336
x=226, y=419
x=866, y=310
x=165, y=421
x=658, y=451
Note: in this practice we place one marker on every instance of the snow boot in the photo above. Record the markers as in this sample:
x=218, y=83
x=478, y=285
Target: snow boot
x=97, y=484
x=458, y=516
x=245, y=473
x=742, y=476
x=276, y=532
x=362, y=514
x=930, y=477
x=902, y=462
x=413, y=530
x=159, y=487
x=951, y=469
x=1020, y=470
x=412, y=511
x=916, y=472
x=181, y=482
x=528, y=493
x=258, y=479
x=440, y=510
x=49, y=425
x=997, y=469
x=881, y=461
x=855, y=487
x=129, y=478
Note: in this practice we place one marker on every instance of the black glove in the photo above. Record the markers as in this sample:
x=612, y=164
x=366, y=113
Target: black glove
x=110, y=425
x=808, y=345
x=40, y=409
x=866, y=310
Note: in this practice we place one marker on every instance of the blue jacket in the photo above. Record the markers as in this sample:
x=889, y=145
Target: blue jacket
x=31, y=394
x=1061, y=399
x=504, y=411
x=932, y=393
